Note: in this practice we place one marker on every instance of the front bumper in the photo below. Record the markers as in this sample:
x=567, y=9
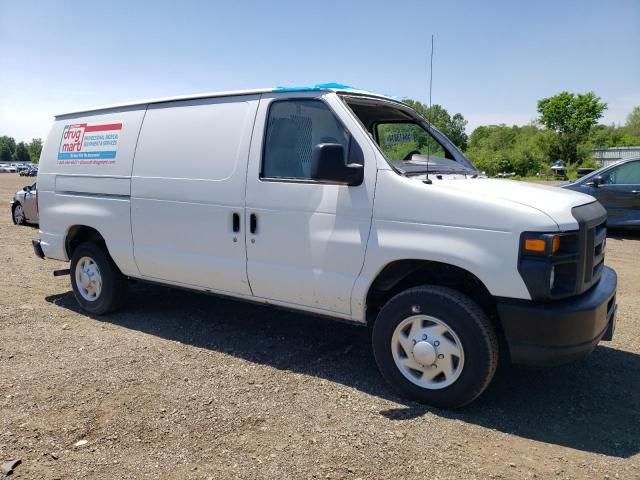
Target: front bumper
x=561, y=331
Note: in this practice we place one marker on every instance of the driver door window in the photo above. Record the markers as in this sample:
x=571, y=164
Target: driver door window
x=627, y=174
x=294, y=128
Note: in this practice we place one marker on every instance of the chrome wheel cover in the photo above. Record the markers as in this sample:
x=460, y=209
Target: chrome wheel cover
x=18, y=214
x=88, y=279
x=427, y=351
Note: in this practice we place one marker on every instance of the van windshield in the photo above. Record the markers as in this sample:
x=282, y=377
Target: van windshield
x=408, y=142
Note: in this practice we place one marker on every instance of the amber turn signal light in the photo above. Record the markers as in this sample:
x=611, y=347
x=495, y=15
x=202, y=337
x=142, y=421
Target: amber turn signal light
x=535, y=245
x=539, y=245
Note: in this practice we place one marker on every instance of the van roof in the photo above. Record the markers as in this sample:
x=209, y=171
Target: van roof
x=334, y=87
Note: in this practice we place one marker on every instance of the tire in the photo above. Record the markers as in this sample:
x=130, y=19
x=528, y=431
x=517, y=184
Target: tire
x=463, y=356
x=17, y=214
x=91, y=261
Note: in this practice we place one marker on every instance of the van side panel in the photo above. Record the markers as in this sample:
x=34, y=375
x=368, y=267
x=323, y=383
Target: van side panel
x=93, y=185
x=85, y=179
x=188, y=182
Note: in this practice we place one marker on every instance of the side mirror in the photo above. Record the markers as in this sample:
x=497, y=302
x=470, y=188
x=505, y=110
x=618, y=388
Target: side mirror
x=596, y=181
x=27, y=188
x=328, y=164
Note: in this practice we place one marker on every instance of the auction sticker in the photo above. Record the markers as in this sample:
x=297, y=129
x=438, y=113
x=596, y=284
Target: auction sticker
x=84, y=143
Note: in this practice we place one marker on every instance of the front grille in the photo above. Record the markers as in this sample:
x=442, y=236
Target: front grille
x=592, y=236
x=596, y=239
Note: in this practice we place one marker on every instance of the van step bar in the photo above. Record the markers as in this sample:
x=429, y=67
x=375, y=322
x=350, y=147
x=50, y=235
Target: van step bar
x=61, y=272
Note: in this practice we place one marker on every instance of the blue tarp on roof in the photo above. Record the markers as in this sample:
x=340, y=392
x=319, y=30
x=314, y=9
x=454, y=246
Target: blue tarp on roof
x=316, y=87
x=330, y=86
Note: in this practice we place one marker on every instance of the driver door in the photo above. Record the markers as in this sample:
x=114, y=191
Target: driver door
x=29, y=206
x=306, y=239
x=619, y=193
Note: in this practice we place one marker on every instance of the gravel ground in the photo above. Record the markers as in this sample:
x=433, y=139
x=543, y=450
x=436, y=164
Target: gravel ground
x=181, y=385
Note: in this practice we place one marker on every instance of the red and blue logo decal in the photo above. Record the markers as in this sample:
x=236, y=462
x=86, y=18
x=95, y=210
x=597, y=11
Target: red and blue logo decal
x=82, y=141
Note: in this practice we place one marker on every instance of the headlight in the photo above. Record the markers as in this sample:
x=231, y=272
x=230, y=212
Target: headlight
x=544, y=244
x=548, y=264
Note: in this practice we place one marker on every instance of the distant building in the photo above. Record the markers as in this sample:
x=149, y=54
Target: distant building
x=607, y=156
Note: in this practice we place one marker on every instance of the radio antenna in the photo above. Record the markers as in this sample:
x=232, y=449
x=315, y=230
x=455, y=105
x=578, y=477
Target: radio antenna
x=429, y=140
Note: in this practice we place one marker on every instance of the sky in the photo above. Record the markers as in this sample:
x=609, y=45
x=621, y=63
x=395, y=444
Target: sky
x=493, y=60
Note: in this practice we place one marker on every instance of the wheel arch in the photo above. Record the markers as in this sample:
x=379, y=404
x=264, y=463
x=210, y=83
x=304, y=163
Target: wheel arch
x=400, y=275
x=78, y=234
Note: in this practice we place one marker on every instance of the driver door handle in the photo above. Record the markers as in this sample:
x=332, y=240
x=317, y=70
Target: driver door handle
x=236, y=222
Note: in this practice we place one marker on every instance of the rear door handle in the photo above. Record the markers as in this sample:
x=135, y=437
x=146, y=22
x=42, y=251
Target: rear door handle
x=635, y=191
x=236, y=222
x=253, y=223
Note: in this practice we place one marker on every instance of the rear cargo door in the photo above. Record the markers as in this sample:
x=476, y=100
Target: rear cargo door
x=187, y=192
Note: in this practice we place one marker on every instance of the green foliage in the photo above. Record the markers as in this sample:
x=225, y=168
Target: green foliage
x=590, y=162
x=21, y=155
x=632, y=126
x=571, y=134
x=5, y=153
x=606, y=136
x=452, y=126
x=498, y=148
x=22, y=152
x=10, y=144
x=571, y=116
x=35, y=148
x=9, y=141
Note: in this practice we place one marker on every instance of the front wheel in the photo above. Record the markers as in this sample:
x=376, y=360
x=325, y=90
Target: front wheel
x=98, y=284
x=435, y=345
x=19, y=217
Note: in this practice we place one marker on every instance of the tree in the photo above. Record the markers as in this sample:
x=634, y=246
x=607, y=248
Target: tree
x=5, y=153
x=457, y=131
x=21, y=155
x=10, y=144
x=501, y=149
x=35, y=148
x=571, y=116
x=453, y=127
x=606, y=136
x=632, y=126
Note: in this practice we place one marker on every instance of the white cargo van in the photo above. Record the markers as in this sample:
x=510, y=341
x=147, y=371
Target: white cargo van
x=337, y=202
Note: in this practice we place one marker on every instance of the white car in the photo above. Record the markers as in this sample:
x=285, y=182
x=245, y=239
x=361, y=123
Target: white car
x=8, y=169
x=24, y=205
x=337, y=202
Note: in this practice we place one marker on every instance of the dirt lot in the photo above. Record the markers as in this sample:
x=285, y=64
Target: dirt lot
x=181, y=385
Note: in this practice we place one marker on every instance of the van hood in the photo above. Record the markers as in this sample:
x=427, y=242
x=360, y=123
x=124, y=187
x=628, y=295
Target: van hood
x=555, y=202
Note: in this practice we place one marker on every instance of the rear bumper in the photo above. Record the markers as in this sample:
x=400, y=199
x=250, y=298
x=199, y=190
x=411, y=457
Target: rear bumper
x=37, y=247
x=52, y=245
x=559, y=332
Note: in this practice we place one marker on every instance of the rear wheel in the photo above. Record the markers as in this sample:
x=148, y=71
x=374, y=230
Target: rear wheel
x=435, y=345
x=18, y=214
x=98, y=284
